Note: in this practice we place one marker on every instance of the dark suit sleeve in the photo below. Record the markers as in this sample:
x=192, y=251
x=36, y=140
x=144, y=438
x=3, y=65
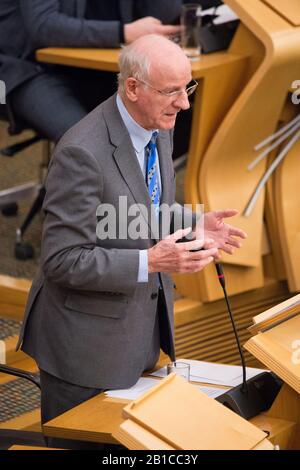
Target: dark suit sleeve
x=165, y=10
x=70, y=254
x=48, y=26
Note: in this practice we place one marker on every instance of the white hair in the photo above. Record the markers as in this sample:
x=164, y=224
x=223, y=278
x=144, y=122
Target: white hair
x=133, y=62
x=137, y=58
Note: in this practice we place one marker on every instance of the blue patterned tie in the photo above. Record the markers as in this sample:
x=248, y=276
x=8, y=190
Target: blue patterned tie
x=152, y=172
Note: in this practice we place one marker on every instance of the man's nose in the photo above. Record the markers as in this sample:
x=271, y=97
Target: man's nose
x=182, y=101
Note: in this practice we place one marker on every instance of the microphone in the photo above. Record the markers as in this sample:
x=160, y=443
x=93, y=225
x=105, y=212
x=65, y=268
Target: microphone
x=221, y=278
x=255, y=395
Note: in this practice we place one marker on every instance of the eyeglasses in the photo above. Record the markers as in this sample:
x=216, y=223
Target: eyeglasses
x=191, y=87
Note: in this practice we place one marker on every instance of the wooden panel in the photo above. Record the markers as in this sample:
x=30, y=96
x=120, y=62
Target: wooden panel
x=231, y=148
x=30, y=421
x=26, y=420
x=287, y=406
x=107, y=59
x=92, y=58
x=281, y=432
x=13, y=357
x=25, y=364
x=31, y=448
x=13, y=296
x=204, y=332
x=288, y=9
x=94, y=420
x=287, y=199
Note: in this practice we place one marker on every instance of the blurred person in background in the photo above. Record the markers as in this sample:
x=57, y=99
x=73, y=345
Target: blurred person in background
x=52, y=98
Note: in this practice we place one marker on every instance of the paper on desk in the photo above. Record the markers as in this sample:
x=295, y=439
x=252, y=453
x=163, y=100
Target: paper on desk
x=142, y=385
x=211, y=373
x=211, y=391
x=224, y=14
x=145, y=383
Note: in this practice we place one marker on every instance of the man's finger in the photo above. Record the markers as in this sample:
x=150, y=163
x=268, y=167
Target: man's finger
x=226, y=213
x=196, y=244
x=237, y=232
x=228, y=249
x=150, y=19
x=181, y=233
x=233, y=242
x=167, y=30
x=203, y=254
x=209, y=243
x=199, y=265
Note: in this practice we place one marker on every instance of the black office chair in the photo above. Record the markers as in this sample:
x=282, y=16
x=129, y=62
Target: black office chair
x=9, y=437
x=9, y=197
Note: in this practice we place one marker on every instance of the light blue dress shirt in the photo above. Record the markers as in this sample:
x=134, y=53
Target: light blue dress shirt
x=139, y=138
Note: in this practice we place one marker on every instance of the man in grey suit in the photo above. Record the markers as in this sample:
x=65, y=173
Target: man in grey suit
x=101, y=307
x=53, y=98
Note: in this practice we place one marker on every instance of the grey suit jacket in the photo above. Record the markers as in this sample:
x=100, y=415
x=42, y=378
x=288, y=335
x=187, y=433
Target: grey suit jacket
x=88, y=320
x=27, y=25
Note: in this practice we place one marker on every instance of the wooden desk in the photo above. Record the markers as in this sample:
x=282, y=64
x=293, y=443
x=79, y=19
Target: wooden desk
x=19, y=447
x=98, y=418
x=107, y=59
x=94, y=420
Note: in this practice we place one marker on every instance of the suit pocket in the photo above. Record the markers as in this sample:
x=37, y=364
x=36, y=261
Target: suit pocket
x=98, y=303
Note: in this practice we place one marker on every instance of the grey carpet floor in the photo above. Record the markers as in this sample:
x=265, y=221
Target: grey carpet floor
x=19, y=169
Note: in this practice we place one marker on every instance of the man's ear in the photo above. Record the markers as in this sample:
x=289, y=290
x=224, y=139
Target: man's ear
x=131, y=89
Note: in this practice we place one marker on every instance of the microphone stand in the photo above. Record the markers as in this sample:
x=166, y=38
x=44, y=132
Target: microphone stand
x=221, y=278
x=255, y=395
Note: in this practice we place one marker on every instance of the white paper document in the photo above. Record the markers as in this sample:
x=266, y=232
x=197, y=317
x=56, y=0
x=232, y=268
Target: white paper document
x=224, y=14
x=211, y=373
x=144, y=384
x=132, y=393
x=211, y=391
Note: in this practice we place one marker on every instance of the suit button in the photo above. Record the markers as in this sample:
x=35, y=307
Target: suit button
x=154, y=295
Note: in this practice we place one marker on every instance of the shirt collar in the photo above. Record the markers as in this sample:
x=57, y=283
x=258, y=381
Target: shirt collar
x=140, y=137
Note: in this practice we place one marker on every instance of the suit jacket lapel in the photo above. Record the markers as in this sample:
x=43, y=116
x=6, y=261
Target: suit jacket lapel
x=126, y=160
